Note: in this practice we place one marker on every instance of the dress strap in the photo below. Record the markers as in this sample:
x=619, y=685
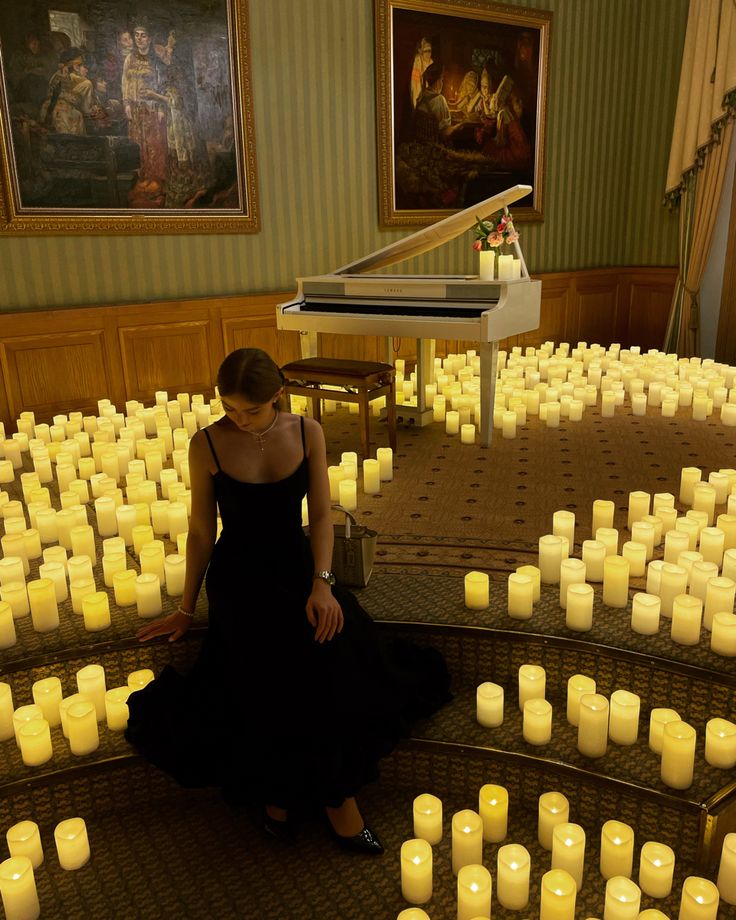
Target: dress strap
x=304, y=444
x=209, y=441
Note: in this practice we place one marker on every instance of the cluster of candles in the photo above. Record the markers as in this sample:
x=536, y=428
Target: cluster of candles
x=78, y=714
x=560, y=382
x=600, y=720
x=503, y=267
x=17, y=880
x=343, y=478
x=560, y=885
x=94, y=459
x=692, y=584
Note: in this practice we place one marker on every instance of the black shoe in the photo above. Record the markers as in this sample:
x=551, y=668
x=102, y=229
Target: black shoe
x=365, y=842
x=281, y=830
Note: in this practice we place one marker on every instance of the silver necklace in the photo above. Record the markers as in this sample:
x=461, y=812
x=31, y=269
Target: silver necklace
x=260, y=436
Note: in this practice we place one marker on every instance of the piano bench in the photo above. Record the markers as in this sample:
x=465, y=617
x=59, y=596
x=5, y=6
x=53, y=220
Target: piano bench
x=358, y=381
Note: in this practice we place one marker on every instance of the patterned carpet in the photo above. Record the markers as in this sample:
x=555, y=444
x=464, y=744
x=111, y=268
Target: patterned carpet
x=162, y=852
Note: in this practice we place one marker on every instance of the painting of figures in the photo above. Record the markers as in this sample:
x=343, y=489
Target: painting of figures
x=461, y=106
x=121, y=116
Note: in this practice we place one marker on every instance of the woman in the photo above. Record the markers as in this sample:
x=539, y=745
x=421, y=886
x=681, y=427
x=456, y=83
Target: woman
x=293, y=700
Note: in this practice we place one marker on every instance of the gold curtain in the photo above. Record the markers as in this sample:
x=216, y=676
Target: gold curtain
x=701, y=139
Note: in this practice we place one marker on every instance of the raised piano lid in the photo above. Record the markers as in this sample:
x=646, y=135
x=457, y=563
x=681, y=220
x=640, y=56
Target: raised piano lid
x=436, y=234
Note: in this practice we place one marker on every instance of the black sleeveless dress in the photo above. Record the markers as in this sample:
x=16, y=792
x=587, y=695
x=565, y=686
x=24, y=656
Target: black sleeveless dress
x=268, y=714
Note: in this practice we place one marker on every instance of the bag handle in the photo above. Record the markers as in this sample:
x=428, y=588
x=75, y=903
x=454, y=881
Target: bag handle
x=349, y=519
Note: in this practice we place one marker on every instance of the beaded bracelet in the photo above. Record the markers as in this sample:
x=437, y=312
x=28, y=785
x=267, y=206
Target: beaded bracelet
x=185, y=612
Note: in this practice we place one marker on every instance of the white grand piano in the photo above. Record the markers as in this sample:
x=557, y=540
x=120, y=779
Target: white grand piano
x=422, y=307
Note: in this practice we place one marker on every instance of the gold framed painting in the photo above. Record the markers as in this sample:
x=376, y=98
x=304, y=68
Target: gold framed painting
x=115, y=121
x=461, y=91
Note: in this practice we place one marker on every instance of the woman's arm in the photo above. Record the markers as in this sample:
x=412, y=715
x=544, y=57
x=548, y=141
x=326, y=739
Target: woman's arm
x=200, y=543
x=323, y=610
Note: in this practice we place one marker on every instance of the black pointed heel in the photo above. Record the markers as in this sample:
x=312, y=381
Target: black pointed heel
x=366, y=842
x=280, y=830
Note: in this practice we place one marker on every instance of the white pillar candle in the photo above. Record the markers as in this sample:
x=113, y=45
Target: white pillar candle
x=645, y=614
x=15, y=594
x=563, y=525
x=493, y=807
x=83, y=542
x=654, y=576
x=18, y=889
x=623, y=726
x=107, y=524
x=124, y=586
x=48, y=530
x=593, y=725
x=615, y=581
x=467, y=433
x=96, y=611
x=72, y=843
x=557, y=896
x=532, y=683
x=579, y=613
x=178, y=521
x=656, y=869
x=174, y=572
x=489, y=704
x=638, y=506
x=21, y=716
x=512, y=878
x=79, y=568
x=533, y=572
x=152, y=559
x=56, y=572
x=554, y=809
x=112, y=563
x=657, y=720
x=723, y=635
x=520, y=596
x=643, y=532
x=7, y=729
x=348, y=494
x=672, y=582
x=79, y=590
x=35, y=742
x=712, y=544
x=81, y=724
x=727, y=870
x=335, y=475
x=427, y=813
x=439, y=404
x=12, y=570
x=603, y=511
x=385, y=457
x=508, y=424
x=452, y=421
x=137, y=680
x=700, y=575
x=577, y=686
x=416, y=871
x=116, y=708
x=142, y=534
x=568, y=851
x=699, y=899
x=24, y=839
x=42, y=601
x=550, y=558
x=537, y=722
x=477, y=590
x=623, y=899
x=689, y=476
x=719, y=598
x=594, y=555
x=617, y=849
x=704, y=499
x=675, y=542
x=47, y=694
x=126, y=518
x=572, y=572
x=687, y=616
x=678, y=755
x=148, y=595
x=8, y=636
x=91, y=684
x=720, y=743
x=467, y=839
x=371, y=477
x=473, y=893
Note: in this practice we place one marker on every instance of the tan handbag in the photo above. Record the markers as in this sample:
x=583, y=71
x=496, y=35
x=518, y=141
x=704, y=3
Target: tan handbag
x=352, y=556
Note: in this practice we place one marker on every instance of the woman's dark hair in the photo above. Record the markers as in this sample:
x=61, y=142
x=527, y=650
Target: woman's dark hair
x=251, y=373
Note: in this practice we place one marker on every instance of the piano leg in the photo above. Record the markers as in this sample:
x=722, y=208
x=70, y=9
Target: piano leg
x=488, y=370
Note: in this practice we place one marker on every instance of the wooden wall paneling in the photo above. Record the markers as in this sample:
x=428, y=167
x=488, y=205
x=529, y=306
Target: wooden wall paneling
x=44, y=372
x=594, y=315
x=646, y=309
x=555, y=323
x=174, y=356
x=259, y=331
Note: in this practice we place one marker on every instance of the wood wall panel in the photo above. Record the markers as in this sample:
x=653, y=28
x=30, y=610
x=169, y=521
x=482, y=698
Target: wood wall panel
x=178, y=353
x=45, y=371
x=131, y=350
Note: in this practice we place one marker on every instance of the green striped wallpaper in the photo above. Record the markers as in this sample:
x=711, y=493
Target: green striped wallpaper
x=613, y=84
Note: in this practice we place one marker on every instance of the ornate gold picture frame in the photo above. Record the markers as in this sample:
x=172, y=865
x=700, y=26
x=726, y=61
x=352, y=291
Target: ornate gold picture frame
x=461, y=89
x=118, y=123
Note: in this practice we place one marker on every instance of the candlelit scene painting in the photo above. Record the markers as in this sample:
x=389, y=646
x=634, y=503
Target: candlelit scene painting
x=122, y=117
x=461, y=98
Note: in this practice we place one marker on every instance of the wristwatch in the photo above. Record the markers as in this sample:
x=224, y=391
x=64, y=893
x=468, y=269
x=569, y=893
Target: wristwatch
x=325, y=576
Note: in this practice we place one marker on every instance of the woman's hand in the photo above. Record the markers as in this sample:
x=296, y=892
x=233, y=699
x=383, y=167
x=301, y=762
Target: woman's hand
x=323, y=611
x=175, y=624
